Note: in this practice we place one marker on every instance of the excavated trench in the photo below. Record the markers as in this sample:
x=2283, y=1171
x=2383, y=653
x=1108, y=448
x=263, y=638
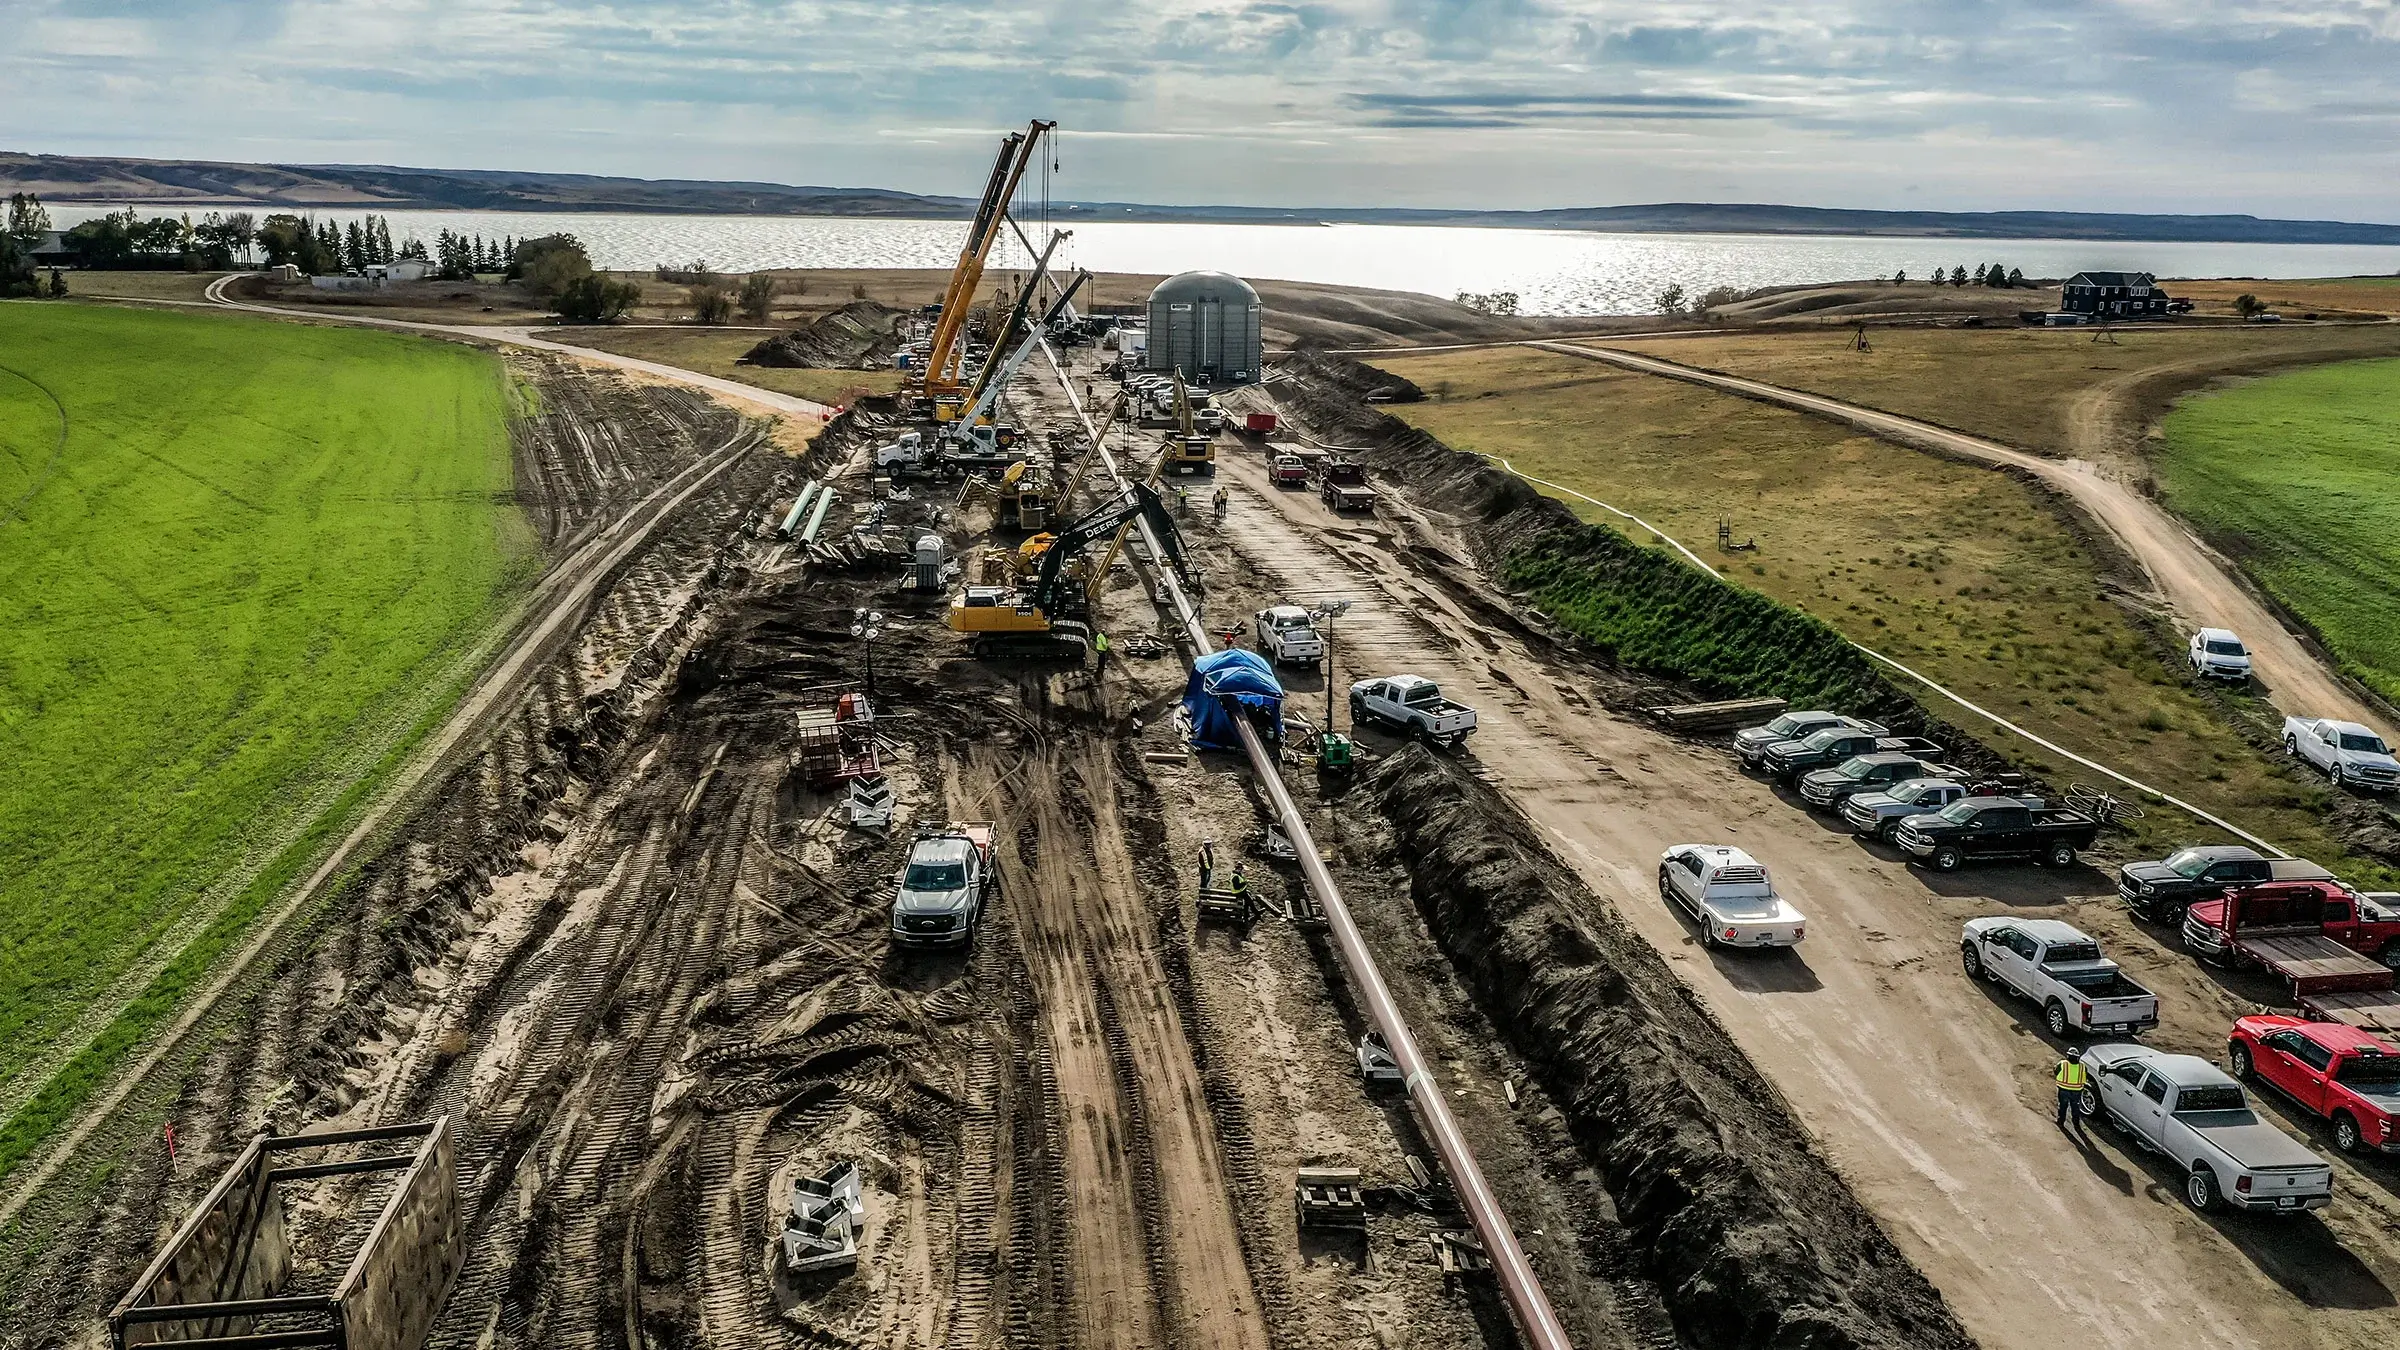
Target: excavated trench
x=1750, y=1236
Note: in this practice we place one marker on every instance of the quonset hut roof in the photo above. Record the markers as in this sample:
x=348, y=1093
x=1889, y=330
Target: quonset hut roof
x=1222, y=287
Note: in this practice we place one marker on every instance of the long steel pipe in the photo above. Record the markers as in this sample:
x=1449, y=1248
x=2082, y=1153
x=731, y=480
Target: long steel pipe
x=1517, y=1281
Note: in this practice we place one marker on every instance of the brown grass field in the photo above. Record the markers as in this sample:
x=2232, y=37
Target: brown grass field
x=1965, y=574
x=2054, y=391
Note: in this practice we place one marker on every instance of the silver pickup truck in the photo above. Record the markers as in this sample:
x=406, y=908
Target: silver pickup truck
x=1876, y=814
x=1411, y=703
x=2060, y=970
x=2186, y=1108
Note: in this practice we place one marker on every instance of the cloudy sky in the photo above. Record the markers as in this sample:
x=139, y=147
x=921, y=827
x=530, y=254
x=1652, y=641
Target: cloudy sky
x=2276, y=107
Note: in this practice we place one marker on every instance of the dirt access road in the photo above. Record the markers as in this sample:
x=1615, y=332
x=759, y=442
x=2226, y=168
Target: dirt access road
x=2190, y=579
x=524, y=337
x=1929, y=1099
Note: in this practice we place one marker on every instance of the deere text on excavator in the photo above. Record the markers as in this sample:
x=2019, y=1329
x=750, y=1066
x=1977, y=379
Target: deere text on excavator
x=1050, y=614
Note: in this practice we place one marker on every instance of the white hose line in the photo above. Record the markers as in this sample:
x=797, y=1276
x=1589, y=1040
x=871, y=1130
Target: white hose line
x=1985, y=713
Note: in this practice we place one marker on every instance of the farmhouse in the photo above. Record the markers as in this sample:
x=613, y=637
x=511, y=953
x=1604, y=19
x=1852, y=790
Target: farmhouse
x=2115, y=295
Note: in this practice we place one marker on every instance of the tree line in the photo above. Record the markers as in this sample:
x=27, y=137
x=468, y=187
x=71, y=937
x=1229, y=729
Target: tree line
x=1986, y=274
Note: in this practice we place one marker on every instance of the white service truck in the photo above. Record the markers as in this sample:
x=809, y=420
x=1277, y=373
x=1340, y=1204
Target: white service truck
x=1411, y=703
x=2056, y=967
x=1288, y=635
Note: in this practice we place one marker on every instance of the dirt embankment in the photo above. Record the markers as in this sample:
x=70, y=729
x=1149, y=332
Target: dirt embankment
x=1502, y=517
x=861, y=335
x=1749, y=1233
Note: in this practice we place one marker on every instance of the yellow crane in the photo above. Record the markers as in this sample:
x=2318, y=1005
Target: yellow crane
x=940, y=381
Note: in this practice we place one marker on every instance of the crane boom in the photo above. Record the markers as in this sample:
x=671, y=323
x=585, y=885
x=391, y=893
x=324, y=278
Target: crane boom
x=997, y=373
x=979, y=395
x=1017, y=150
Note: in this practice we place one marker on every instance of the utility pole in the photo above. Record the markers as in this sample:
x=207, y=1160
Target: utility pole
x=866, y=625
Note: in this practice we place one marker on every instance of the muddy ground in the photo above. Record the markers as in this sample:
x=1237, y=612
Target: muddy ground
x=635, y=955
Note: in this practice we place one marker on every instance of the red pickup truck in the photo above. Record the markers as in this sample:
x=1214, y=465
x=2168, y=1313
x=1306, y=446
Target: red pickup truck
x=2335, y=1073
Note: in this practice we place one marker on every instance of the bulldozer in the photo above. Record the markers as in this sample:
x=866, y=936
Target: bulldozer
x=1048, y=615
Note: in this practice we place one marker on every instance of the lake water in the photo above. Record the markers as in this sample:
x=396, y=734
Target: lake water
x=1553, y=271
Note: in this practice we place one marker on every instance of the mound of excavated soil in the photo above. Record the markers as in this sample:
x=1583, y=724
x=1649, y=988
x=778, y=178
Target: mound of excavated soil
x=1753, y=1240
x=861, y=335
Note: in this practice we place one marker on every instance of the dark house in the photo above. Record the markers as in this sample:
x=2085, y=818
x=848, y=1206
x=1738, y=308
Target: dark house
x=2115, y=295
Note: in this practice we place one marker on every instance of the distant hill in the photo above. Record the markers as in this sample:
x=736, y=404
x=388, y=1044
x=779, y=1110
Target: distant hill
x=202, y=184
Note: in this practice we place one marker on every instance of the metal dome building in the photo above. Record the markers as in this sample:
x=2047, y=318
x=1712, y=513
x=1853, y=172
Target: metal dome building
x=1205, y=324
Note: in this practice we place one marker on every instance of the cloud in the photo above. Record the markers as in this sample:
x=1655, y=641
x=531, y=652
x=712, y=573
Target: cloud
x=2274, y=106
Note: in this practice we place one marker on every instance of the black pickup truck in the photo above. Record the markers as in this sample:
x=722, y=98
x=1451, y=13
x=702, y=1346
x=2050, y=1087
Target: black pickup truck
x=2161, y=891
x=1752, y=743
x=1995, y=827
x=1785, y=761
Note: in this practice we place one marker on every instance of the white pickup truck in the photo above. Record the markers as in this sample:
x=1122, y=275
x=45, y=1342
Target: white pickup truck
x=2188, y=1109
x=2350, y=755
x=1729, y=894
x=1411, y=703
x=1288, y=635
x=2058, y=968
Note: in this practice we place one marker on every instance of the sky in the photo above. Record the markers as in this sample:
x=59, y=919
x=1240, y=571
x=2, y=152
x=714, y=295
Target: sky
x=2270, y=107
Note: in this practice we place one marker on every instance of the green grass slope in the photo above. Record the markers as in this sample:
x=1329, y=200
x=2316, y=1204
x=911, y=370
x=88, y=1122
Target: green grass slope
x=2299, y=477
x=235, y=558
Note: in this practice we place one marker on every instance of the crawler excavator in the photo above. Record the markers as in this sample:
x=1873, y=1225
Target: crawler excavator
x=1050, y=615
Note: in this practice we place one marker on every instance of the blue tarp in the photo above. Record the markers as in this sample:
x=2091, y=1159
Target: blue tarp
x=1236, y=676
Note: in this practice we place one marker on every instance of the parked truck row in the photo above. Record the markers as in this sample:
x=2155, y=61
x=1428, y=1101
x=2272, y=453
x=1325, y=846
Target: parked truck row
x=1898, y=789
x=2336, y=949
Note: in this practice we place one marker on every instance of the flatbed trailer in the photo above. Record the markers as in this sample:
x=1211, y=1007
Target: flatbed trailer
x=2375, y=1010
x=2311, y=963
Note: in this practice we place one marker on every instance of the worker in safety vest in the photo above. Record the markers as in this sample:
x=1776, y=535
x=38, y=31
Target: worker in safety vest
x=1243, y=895
x=1100, y=649
x=2073, y=1081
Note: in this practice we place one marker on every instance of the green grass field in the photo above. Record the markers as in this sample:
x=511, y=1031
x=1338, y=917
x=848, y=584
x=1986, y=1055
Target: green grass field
x=241, y=565
x=1960, y=572
x=2296, y=476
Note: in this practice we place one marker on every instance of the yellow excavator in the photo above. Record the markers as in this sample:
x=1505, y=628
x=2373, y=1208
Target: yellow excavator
x=941, y=383
x=1050, y=614
x=1188, y=450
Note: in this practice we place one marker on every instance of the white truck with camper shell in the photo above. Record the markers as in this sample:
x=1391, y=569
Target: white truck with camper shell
x=2193, y=1113
x=2350, y=754
x=1729, y=895
x=2216, y=654
x=1411, y=703
x=1288, y=635
x=2058, y=968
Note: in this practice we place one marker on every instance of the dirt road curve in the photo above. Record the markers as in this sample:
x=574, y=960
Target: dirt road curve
x=523, y=337
x=2187, y=575
x=1926, y=1097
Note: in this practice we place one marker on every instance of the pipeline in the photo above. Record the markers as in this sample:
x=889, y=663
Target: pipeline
x=1517, y=1281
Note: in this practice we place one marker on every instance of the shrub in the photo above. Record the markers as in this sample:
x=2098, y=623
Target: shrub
x=595, y=299
x=1647, y=610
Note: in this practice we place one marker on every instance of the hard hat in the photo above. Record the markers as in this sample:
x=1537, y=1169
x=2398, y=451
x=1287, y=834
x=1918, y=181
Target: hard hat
x=2075, y=1052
